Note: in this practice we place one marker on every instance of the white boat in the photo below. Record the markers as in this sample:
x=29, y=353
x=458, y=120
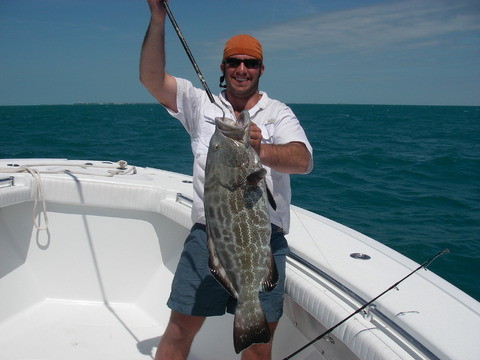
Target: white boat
x=88, y=250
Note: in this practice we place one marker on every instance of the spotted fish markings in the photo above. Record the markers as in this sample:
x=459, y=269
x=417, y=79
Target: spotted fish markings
x=238, y=226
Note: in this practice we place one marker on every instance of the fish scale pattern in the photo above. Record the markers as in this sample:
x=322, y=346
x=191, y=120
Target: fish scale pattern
x=238, y=227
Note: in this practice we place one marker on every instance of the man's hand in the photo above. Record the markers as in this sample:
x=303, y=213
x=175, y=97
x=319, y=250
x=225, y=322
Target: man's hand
x=157, y=9
x=255, y=137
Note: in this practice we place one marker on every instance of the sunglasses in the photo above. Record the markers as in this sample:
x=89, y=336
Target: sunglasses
x=249, y=63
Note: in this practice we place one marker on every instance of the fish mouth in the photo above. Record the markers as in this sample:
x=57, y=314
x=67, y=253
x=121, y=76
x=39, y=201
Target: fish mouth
x=236, y=130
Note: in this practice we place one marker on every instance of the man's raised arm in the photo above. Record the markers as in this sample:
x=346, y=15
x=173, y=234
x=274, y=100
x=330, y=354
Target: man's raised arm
x=152, y=59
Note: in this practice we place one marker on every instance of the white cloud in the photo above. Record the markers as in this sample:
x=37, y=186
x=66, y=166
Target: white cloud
x=407, y=24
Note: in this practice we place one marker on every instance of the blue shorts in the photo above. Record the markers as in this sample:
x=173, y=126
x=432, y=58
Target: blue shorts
x=196, y=292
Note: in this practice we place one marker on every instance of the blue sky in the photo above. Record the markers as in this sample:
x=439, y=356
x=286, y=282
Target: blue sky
x=331, y=51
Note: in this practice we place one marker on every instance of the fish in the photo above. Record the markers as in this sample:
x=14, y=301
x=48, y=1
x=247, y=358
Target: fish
x=236, y=202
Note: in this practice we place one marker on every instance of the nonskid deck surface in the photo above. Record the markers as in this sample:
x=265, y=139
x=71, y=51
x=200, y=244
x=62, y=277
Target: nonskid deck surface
x=79, y=330
x=74, y=330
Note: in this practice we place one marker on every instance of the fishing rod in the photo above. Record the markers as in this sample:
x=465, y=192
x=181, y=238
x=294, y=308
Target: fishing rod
x=424, y=265
x=190, y=55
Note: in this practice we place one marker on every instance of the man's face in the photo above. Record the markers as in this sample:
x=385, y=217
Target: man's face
x=242, y=73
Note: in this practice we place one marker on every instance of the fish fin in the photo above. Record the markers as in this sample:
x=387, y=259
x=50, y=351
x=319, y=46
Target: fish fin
x=271, y=278
x=249, y=328
x=271, y=200
x=217, y=269
x=231, y=178
x=256, y=176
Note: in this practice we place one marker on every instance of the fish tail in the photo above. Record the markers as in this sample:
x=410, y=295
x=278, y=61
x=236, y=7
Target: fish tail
x=250, y=327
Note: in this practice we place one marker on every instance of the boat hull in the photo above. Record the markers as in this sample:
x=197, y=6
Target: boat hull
x=94, y=283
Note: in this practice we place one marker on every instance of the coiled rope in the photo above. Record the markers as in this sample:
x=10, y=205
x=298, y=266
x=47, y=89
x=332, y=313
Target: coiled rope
x=123, y=169
x=38, y=195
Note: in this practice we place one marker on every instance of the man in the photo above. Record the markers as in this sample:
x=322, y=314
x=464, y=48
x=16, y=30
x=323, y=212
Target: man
x=283, y=149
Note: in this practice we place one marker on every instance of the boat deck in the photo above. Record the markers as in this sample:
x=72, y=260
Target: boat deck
x=79, y=330
x=59, y=330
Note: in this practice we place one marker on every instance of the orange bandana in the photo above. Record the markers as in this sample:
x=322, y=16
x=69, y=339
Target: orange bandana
x=243, y=45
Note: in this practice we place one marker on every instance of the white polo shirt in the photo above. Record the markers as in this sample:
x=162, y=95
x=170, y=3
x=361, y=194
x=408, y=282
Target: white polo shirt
x=278, y=124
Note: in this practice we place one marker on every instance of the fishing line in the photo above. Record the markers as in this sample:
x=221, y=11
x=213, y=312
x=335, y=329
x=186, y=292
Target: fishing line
x=190, y=55
x=424, y=265
x=315, y=243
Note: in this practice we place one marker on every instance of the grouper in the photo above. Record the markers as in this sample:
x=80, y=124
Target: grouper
x=238, y=226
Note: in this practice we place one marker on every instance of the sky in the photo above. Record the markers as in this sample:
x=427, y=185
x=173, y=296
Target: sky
x=403, y=52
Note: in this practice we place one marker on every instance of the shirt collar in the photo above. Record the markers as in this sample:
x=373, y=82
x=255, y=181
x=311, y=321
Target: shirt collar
x=259, y=106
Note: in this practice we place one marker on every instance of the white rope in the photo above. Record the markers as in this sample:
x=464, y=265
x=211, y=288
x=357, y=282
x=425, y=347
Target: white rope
x=37, y=195
x=122, y=169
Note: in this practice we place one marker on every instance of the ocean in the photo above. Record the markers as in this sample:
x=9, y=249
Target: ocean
x=407, y=176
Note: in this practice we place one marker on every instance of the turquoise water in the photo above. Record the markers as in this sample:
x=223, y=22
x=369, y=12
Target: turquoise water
x=408, y=176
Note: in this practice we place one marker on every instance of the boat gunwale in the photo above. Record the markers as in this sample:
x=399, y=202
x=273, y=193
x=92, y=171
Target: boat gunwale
x=373, y=312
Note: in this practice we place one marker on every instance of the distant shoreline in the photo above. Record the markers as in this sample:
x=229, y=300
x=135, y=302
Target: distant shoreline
x=294, y=104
